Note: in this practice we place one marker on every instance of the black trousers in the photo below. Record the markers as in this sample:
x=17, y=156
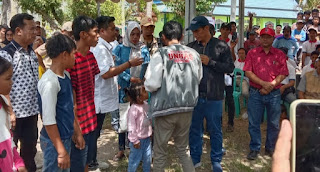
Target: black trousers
x=230, y=102
x=26, y=132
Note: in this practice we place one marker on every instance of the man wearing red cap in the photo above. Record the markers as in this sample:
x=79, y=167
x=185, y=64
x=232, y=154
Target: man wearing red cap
x=266, y=67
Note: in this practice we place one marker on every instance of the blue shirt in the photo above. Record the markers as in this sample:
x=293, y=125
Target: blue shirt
x=122, y=54
x=287, y=43
x=301, y=32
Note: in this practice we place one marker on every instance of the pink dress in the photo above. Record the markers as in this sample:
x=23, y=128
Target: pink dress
x=9, y=157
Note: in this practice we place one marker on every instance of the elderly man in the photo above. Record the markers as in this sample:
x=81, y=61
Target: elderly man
x=265, y=67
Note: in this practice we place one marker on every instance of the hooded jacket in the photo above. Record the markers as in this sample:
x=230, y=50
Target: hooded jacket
x=173, y=77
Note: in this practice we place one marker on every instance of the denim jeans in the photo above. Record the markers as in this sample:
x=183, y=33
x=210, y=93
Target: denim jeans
x=80, y=158
x=212, y=111
x=100, y=119
x=256, y=106
x=50, y=154
x=144, y=154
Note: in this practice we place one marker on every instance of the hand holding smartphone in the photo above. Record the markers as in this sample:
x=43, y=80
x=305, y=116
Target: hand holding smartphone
x=305, y=149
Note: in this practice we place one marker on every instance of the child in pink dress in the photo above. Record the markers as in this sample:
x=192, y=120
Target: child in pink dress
x=139, y=128
x=9, y=158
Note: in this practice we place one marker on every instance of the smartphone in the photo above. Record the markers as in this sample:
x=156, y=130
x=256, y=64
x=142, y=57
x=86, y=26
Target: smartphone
x=234, y=36
x=305, y=121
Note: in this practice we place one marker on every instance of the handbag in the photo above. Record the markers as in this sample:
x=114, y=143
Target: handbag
x=123, y=121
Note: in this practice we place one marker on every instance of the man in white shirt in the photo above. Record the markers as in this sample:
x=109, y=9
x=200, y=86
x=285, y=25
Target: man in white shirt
x=309, y=46
x=310, y=66
x=106, y=95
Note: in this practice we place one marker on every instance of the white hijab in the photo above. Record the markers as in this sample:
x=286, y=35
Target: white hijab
x=135, y=48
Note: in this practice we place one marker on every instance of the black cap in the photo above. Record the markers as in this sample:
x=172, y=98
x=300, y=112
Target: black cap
x=198, y=22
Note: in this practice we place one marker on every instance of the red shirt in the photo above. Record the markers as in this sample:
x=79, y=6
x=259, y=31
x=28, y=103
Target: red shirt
x=82, y=78
x=266, y=66
x=248, y=45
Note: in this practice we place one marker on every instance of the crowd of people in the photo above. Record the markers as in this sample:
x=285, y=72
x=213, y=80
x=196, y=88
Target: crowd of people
x=153, y=89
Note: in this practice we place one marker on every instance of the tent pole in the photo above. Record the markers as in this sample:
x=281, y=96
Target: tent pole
x=190, y=12
x=241, y=22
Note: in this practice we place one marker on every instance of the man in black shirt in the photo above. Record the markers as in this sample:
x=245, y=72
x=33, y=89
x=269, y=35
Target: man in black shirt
x=216, y=61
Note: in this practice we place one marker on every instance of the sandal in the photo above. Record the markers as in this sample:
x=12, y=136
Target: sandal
x=118, y=157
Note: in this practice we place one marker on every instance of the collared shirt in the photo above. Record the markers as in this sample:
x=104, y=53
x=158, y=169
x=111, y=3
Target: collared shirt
x=83, y=79
x=240, y=64
x=290, y=43
x=153, y=47
x=266, y=66
x=106, y=90
x=308, y=47
x=307, y=69
x=24, y=94
x=303, y=82
x=248, y=45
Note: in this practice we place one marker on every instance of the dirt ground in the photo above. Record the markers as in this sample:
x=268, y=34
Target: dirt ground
x=235, y=143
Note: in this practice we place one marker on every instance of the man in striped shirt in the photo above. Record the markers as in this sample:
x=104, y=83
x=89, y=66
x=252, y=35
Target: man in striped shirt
x=85, y=32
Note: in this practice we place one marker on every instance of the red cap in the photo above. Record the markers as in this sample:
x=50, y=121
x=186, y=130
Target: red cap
x=267, y=31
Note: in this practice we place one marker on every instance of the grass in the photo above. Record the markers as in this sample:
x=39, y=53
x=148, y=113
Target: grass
x=235, y=143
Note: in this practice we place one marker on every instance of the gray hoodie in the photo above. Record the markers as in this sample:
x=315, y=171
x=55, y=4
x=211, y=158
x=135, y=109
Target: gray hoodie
x=173, y=77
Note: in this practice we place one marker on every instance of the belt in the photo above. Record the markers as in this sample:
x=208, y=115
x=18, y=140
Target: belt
x=257, y=89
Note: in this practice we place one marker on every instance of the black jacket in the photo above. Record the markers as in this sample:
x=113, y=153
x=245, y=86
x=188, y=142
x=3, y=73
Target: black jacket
x=212, y=84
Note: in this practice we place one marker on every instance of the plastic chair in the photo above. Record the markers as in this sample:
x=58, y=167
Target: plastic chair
x=237, y=90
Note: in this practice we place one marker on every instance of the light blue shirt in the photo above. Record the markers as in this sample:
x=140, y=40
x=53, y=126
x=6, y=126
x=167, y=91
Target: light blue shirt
x=290, y=43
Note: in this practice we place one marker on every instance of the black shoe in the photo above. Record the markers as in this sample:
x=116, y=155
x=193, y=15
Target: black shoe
x=268, y=152
x=253, y=155
x=93, y=165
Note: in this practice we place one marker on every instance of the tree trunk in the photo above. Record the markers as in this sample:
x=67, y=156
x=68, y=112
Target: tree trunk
x=6, y=8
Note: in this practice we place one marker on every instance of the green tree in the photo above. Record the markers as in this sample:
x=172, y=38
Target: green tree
x=50, y=10
x=89, y=8
x=202, y=6
x=135, y=11
x=309, y=5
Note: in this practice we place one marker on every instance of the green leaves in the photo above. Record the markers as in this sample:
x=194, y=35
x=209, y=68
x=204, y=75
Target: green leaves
x=202, y=6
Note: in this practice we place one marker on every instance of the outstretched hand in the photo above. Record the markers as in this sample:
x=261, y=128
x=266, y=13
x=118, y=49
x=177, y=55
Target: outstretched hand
x=281, y=156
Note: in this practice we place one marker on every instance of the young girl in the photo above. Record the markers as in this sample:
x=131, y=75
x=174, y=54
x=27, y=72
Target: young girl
x=139, y=128
x=9, y=157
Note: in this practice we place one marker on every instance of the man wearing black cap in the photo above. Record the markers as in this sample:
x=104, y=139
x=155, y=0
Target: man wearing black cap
x=216, y=61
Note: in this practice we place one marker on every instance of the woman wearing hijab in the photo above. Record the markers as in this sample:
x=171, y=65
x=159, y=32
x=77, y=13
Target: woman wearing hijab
x=131, y=48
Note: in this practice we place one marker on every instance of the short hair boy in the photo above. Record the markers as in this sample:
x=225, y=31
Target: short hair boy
x=85, y=32
x=56, y=104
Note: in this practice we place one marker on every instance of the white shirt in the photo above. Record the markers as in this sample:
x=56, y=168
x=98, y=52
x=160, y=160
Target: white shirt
x=308, y=47
x=306, y=69
x=48, y=88
x=291, y=76
x=114, y=44
x=106, y=97
x=239, y=65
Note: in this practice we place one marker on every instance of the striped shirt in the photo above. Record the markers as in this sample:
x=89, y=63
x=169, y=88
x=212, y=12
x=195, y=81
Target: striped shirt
x=82, y=78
